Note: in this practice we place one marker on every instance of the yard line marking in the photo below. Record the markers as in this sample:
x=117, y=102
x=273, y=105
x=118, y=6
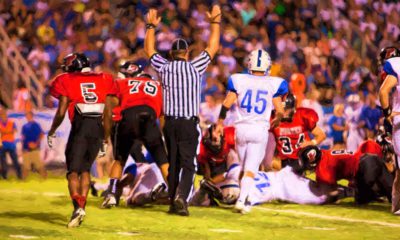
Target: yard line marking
x=320, y=228
x=23, y=236
x=129, y=233
x=223, y=230
x=49, y=194
x=326, y=217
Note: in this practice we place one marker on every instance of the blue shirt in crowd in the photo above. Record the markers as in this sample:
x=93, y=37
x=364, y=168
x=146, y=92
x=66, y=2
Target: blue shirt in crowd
x=337, y=135
x=371, y=117
x=31, y=132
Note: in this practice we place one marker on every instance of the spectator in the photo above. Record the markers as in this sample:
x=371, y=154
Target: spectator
x=338, y=126
x=32, y=135
x=209, y=110
x=370, y=116
x=352, y=114
x=7, y=131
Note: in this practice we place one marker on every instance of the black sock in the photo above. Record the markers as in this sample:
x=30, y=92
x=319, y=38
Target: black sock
x=113, y=185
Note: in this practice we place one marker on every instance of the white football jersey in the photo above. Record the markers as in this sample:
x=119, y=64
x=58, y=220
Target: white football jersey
x=392, y=67
x=255, y=94
x=284, y=185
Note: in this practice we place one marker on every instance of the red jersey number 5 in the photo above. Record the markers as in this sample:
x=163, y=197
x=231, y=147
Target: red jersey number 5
x=88, y=96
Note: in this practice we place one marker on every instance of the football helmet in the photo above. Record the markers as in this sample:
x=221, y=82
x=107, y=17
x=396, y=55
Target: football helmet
x=388, y=52
x=309, y=157
x=289, y=107
x=260, y=61
x=385, y=142
x=130, y=68
x=75, y=62
x=213, y=145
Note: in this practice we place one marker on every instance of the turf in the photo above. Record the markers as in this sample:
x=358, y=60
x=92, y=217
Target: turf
x=41, y=209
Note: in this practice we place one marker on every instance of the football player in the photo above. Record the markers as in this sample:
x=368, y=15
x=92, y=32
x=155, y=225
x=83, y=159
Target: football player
x=365, y=169
x=292, y=133
x=389, y=59
x=140, y=99
x=82, y=93
x=220, y=162
x=256, y=94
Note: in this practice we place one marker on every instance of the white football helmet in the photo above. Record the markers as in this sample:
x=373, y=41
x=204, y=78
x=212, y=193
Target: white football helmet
x=259, y=60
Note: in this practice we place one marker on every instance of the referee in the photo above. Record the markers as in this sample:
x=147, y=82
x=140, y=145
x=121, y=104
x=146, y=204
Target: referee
x=181, y=81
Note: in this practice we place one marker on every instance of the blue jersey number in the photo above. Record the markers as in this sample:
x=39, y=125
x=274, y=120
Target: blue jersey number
x=260, y=101
x=263, y=184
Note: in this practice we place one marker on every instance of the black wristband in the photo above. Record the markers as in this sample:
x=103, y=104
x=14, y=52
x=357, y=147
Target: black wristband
x=387, y=111
x=222, y=113
x=150, y=26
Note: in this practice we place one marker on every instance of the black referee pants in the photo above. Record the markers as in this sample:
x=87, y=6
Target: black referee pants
x=182, y=138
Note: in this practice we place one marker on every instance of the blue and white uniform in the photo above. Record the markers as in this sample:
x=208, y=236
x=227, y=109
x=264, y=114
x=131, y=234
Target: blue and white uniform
x=254, y=106
x=392, y=67
x=284, y=185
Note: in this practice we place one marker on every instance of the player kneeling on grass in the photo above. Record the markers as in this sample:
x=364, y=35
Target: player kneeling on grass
x=83, y=94
x=140, y=99
x=364, y=169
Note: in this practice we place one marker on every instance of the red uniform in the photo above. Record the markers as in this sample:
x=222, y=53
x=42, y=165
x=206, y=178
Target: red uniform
x=82, y=88
x=229, y=144
x=339, y=164
x=140, y=91
x=289, y=135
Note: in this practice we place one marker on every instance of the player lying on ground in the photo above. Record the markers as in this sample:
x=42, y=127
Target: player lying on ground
x=140, y=99
x=365, y=170
x=83, y=94
x=256, y=94
x=292, y=133
x=389, y=59
x=222, y=177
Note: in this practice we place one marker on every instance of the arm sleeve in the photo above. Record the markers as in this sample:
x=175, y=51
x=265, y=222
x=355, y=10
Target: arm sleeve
x=231, y=86
x=310, y=118
x=282, y=90
x=57, y=88
x=388, y=69
x=158, y=62
x=200, y=63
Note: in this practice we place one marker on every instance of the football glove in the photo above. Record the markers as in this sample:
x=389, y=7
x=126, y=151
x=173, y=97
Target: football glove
x=50, y=140
x=387, y=124
x=103, y=150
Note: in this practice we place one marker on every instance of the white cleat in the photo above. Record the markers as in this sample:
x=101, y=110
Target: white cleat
x=241, y=207
x=77, y=218
x=109, y=201
x=397, y=213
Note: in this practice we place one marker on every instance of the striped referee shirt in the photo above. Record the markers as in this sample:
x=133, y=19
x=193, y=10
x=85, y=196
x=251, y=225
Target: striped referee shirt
x=181, y=83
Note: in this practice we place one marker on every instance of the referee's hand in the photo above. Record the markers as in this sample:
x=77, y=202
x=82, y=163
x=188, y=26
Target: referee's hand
x=152, y=17
x=215, y=14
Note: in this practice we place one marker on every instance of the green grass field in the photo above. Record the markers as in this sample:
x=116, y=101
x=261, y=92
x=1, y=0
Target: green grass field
x=40, y=210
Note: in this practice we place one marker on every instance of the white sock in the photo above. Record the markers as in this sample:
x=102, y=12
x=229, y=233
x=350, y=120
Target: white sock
x=245, y=187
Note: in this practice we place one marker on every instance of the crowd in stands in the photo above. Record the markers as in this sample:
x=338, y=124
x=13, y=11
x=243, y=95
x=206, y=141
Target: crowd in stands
x=327, y=50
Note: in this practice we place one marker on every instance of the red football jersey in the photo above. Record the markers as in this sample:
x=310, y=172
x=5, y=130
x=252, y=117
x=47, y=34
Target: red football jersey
x=116, y=114
x=229, y=144
x=81, y=87
x=339, y=164
x=140, y=91
x=289, y=135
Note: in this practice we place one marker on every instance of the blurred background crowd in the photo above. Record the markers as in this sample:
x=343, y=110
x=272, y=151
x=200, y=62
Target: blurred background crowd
x=327, y=50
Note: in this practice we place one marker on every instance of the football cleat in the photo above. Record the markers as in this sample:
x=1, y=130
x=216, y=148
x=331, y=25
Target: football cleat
x=242, y=207
x=77, y=218
x=181, y=207
x=109, y=201
x=157, y=190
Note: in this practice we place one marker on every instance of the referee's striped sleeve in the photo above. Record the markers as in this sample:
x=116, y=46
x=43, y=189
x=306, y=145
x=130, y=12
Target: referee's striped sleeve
x=200, y=63
x=158, y=62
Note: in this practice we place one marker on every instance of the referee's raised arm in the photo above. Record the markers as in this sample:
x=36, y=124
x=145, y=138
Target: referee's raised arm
x=181, y=81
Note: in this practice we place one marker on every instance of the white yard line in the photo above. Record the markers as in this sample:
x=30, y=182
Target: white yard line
x=129, y=233
x=327, y=217
x=223, y=230
x=49, y=194
x=23, y=236
x=319, y=228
